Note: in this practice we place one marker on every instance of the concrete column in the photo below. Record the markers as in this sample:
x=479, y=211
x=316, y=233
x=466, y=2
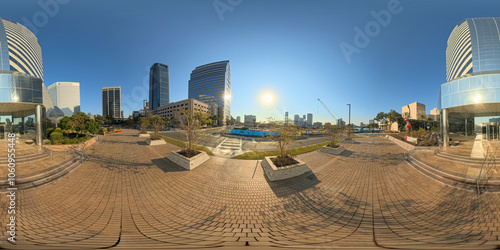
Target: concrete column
x=38, y=122
x=446, y=128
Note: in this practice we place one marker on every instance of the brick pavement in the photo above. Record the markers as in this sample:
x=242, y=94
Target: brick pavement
x=128, y=195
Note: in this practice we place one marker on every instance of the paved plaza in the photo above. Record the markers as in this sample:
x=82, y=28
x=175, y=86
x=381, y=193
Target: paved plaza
x=128, y=195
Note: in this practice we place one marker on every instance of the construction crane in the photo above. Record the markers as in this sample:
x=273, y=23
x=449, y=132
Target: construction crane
x=327, y=109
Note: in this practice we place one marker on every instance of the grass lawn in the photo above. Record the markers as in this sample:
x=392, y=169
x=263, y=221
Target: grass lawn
x=259, y=155
x=183, y=145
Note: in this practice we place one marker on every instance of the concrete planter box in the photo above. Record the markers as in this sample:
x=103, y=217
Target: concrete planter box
x=155, y=142
x=143, y=135
x=188, y=163
x=332, y=151
x=274, y=173
x=409, y=147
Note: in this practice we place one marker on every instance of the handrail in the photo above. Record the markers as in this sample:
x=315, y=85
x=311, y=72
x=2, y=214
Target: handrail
x=480, y=171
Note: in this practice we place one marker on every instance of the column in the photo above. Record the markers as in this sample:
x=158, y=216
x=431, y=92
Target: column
x=38, y=121
x=446, y=135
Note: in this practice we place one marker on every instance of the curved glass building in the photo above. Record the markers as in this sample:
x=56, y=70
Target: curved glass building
x=213, y=80
x=21, y=82
x=472, y=89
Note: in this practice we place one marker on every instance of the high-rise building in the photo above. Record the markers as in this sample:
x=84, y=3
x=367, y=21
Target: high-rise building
x=213, y=79
x=66, y=96
x=473, y=78
x=159, y=78
x=238, y=119
x=111, y=102
x=309, y=119
x=21, y=83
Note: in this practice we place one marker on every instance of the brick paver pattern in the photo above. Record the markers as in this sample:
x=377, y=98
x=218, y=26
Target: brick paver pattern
x=128, y=195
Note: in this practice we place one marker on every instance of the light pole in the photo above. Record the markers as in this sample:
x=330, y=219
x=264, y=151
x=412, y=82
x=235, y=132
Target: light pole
x=349, y=133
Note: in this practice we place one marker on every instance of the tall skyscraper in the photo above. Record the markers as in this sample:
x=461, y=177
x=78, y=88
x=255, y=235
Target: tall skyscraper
x=66, y=96
x=309, y=119
x=159, y=86
x=473, y=79
x=213, y=79
x=473, y=46
x=111, y=102
x=21, y=82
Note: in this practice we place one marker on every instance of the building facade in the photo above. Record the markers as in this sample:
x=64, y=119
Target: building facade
x=66, y=96
x=21, y=83
x=213, y=80
x=174, y=108
x=414, y=110
x=159, y=86
x=472, y=90
x=309, y=121
x=111, y=102
x=250, y=120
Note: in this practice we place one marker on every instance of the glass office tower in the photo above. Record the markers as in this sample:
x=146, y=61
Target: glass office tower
x=158, y=86
x=471, y=95
x=213, y=79
x=21, y=83
x=111, y=102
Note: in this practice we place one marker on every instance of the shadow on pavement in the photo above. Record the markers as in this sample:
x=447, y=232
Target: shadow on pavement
x=167, y=165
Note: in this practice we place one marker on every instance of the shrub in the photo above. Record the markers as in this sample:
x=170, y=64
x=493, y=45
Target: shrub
x=56, y=136
x=143, y=131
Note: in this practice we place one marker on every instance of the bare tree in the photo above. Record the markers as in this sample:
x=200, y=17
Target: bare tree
x=157, y=122
x=284, y=134
x=191, y=122
x=334, y=133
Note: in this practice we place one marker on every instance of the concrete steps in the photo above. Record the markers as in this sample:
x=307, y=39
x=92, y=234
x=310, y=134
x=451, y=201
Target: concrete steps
x=45, y=176
x=449, y=178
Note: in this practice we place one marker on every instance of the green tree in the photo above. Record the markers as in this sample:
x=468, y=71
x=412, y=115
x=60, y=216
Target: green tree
x=100, y=119
x=110, y=120
x=92, y=126
x=77, y=123
x=63, y=123
x=392, y=117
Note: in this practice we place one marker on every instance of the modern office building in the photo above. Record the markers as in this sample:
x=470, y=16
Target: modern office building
x=21, y=83
x=111, y=102
x=238, y=119
x=175, y=108
x=414, y=110
x=472, y=89
x=66, y=96
x=309, y=121
x=159, y=86
x=249, y=120
x=213, y=80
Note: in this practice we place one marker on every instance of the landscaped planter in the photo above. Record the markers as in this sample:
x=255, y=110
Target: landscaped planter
x=332, y=151
x=143, y=135
x=188, y=163
x=274, y=173
x=155, y=142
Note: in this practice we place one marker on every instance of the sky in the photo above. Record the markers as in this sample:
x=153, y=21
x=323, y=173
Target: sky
x=376, y=55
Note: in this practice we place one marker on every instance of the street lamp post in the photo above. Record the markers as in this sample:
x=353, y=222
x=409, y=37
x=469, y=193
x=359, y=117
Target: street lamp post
x=349, y=133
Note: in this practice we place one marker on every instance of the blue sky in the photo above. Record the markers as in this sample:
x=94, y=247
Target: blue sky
x=289, y=48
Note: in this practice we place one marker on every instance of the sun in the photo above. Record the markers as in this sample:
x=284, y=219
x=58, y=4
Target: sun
x=268, y=98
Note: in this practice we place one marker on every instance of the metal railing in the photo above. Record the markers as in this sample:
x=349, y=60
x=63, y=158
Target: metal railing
x=488, y=165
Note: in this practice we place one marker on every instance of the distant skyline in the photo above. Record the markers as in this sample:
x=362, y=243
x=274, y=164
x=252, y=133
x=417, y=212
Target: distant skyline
x=375, y=54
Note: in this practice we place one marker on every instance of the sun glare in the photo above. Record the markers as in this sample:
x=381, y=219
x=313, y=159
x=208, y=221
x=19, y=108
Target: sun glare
x=268, y=98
